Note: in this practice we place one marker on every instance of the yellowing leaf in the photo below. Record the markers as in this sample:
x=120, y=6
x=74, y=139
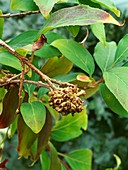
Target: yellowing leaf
x=77, y=15
x=83, y=78
x=10, y=104
x=45, y=6
x=56, y=66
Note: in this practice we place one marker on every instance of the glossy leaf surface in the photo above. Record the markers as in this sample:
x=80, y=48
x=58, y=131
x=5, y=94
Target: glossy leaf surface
x=99, y=31
x=122, y=49
x=112, y=102
x=80, y=159
x=45, y=6
x=105, y=56
x=47, y=52
x=56, y=66
x=23, y=5
x=74, y=30
x=76, y=54
x=23, y=39
x=45, y=161
x=69, y=127
x=54, y=160
x=117, y=82
x=10, y=104
x=34, y=115
x=109, y=4
x=81, y=15
x=1, y=25
x=8, y=59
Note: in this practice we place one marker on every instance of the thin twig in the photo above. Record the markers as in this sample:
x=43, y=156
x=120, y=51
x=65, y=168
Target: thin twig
x=38, y=84
x=65, y=165
x=21, y=85
x=93, y=85
x=44, y=77
x=25, y=60
x=83, y=41
x=8, y=15
x=14, y=77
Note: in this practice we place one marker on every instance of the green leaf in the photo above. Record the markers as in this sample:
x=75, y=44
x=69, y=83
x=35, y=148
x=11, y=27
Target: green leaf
x=8, y=59
x=79, y=159
x=69, y=127
x=23, y=5
x=45, y=161
x=74, y=30
x=26, y=138
x=45, y=6
x=109, y=4
x=23, y=39
x=56, y=66
x=117, y=82
x=47, y=51
x=10, y=104
x=122, y=49
x=125, y=64
x=34, y=115
x=41, y=92
x=99, y=31
x=76, y=15
x=54, y=161
x=67, y=77
x=112, y=102
x=1, y=24
x=52, y=36
x=105, y=56
x=76, y=53
x=2, y=93
x=13, y=128
x=29, y=88
x=63, y=167
x=118, y=161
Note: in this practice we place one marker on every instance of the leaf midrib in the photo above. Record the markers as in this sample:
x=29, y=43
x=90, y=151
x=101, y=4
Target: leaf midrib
x=67, y=124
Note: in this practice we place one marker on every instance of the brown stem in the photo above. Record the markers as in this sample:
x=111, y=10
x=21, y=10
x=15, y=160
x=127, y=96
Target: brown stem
x=8, y=15
x=64, y=163
x=21, y=85
x=38, y=84
x=25, y=61
x=94, y=84
x=43, y=76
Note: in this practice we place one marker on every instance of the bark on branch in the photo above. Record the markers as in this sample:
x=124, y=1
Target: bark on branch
x=22, y=14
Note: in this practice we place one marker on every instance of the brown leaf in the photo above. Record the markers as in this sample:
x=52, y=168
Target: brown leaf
x=39, y=43
x=26, y=138
x=44, y=135
x=3, y=164
x=10, y=104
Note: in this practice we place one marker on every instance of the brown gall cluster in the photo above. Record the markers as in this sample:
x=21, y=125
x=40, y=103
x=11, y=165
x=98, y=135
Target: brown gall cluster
x=66, y=100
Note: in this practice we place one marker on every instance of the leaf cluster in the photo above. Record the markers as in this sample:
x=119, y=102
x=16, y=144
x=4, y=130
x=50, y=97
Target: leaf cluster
x=24, y=79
